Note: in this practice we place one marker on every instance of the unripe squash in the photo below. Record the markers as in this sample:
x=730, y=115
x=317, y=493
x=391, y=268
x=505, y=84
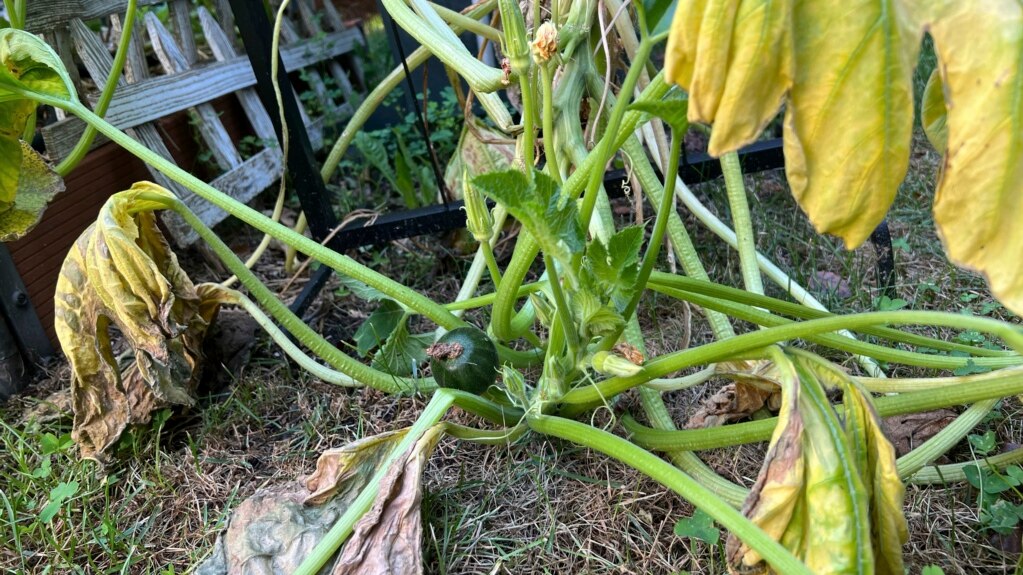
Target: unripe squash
x=465, y=359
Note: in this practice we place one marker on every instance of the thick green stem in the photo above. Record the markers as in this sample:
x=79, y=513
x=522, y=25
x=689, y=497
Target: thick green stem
x=332, y=541
x=800, y=311
x=944, y=474
x=430, y=31
x=678, y=481
x=680, y=240
x=605, y=149
x=85, y=141
x=459, y=21
x=550, y=149
x=834, y=341
x=720, y=350
x=656, y=239
x=492, y=267
x=340, y=263
x=741, y=222
x=564, y=313
x=755, y=431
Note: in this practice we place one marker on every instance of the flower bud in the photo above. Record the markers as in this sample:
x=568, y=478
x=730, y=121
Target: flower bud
x=611, y=364
x=545, y=44
x=516, y=42
x=478, y=219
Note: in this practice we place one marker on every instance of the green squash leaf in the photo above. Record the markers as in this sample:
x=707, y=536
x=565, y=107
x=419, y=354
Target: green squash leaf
x=378, y=326
x=36, y=185
x=538, y=207
x=672, y=109
x=615, y=266
x=401, y=349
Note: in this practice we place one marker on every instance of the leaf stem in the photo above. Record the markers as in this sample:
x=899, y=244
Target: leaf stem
x=85, y=141
x=741, y=222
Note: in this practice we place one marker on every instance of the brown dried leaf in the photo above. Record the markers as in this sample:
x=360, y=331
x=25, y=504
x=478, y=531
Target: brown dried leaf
x=388, y=537
x=908, y=431
x=755, y=385
x=275, y=529
x=121, y=272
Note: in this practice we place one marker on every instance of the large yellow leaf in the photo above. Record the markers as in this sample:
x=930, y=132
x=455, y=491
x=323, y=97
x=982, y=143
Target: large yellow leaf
x=735, y=60
x=979, y=200
x=849, y=119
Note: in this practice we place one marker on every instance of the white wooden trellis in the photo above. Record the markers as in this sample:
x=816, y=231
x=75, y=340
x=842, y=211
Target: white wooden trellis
x=190, y=82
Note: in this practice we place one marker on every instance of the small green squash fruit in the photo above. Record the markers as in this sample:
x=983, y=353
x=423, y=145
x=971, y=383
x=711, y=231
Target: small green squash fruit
x=464, y=359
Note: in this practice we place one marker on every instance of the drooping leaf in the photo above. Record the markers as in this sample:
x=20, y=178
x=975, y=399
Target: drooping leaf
x=274, y=530
x=36, y=184
x=481, y=150
x=734, y=57
x=849, y=120
x=933, y=114
x=122, y=272
x=29, y=65
x=378, y=326
x=979, y=198
x=537, y=206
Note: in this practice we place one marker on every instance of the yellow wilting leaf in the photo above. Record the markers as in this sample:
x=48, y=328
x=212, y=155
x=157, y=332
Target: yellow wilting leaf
x=829, y=490
x=849, y=119
x=980, y=196
x=122, y=272
x=37, y=184
x=735, y=60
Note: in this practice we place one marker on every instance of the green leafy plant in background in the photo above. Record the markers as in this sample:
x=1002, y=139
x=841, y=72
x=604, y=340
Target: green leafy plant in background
x=829, y=495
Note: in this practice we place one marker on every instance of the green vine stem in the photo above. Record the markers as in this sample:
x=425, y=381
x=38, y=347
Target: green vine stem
x=676, y=480
x=741, y=222
x=904, y=385
x=772, y=271
x=429, y=30
x=754, y=431
x=719, y=350
x=458, y=21
x=677, y=234
x=800, y=311
x=85, y=141
x=339, y=533
x=340, y=263
x=953, y=472
x=854, y=346
x=550, y=147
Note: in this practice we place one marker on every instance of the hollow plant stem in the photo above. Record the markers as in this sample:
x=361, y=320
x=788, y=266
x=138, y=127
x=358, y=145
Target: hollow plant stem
x=85, y=141
x=675, y=479
x=720, y=350
x=741, y=222
x=340, y=263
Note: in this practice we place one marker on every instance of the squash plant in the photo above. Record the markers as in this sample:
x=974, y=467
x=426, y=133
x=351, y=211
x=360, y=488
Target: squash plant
x=829, y=496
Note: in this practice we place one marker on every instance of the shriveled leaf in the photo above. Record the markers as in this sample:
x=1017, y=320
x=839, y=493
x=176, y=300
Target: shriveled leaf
x=777, y=495
x=933, y=114
x=344, y=471
x=875, y=459
x=35, y=184
x=388, y=538
x=756, y=384
x=275, y=529
x=849, y=119
x=537, y=205
x=910, y=430
x=481, y=150
x=734, y=57
x=122, y=272
x=979, y=199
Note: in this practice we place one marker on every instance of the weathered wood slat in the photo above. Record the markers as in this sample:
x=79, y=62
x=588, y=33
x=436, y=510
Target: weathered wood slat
x=223, y=50
x=210, y=127
x=312, y=27
x=336, y=23
x=41, y=16
x=135, y=67
x=136, y=104
x=180, y=11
